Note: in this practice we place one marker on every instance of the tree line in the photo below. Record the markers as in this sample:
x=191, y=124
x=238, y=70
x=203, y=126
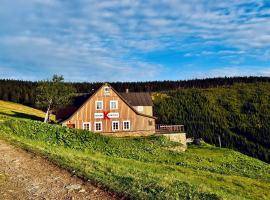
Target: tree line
x=25, y=91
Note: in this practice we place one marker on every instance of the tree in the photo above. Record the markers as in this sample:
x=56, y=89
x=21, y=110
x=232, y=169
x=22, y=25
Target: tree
x=14, y=96
x=26, y=99
x=53, y=94
x=5, y=96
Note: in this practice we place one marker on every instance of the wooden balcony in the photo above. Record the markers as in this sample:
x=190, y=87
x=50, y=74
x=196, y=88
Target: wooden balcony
x=160, y=128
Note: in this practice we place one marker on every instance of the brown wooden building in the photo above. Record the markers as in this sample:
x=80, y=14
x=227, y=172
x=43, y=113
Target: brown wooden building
x=112, y=113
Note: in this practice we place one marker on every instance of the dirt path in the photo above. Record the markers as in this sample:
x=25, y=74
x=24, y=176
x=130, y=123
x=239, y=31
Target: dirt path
x=26, y=176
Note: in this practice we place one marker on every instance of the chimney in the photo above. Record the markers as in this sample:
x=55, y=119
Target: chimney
x=127, y=90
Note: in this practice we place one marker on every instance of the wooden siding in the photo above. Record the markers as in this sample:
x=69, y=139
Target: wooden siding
x=138, y=123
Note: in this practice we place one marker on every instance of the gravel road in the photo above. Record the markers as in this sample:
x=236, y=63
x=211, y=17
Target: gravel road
x=24, y=175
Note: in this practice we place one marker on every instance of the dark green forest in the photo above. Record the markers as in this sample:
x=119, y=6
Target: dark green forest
x=236, y=109
x=239, y=114
x=25, y=91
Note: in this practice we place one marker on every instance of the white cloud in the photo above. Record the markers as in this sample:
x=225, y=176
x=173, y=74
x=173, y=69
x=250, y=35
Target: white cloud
x=235, y=71
x=90, y=39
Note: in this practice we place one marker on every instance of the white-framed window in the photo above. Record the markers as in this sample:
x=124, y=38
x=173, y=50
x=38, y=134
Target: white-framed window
x=115, y=126
x=98, y=126
x=140, y=108
x=86, y=126
x=113, y=104
x=126, y=125
x=99, y=105
x=107, y=91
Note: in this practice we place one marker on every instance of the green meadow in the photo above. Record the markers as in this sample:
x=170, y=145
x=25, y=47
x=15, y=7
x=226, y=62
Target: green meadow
x=141, y=168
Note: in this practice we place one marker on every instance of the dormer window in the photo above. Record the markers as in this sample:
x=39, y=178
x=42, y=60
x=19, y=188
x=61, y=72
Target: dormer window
x=107, y=91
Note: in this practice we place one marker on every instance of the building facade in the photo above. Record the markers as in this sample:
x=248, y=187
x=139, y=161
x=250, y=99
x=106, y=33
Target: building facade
x=108, y=112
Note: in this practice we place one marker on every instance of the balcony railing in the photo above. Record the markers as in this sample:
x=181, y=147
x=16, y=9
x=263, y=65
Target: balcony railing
x=160, y=128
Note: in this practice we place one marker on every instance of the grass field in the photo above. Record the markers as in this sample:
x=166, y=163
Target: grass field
x=16, y=110
x=144, y=168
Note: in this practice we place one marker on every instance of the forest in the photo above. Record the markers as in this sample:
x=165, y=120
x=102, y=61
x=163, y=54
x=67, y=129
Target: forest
x=239, y=114
x=25, y=91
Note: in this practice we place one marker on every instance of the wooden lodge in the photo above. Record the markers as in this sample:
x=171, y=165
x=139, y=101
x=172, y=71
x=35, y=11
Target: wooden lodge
x=118, y=114
x=111, y=113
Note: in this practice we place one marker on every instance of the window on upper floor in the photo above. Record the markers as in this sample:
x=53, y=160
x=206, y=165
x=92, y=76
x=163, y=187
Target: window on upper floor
x=107, y=91
x=99, y=105
x=113, y=104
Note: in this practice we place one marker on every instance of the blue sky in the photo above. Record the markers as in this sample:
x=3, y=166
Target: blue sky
x=133, y=40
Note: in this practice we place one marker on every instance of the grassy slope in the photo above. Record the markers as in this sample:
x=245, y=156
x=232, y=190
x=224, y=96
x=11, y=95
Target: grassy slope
x=145, y=167
x=16, y=110
x=19, y=110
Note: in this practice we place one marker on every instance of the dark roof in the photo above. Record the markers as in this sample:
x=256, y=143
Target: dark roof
x=78, y=100
x=64, y=113
x=138, y=98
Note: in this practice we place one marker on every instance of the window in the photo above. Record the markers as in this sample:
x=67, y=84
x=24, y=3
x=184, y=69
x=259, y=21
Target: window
x=98, y=126
x=115, y=125
x=87, y=126
x=113, y=104
x=106, y=91
x=99, y=105
x=126, y=125
x=140, y=108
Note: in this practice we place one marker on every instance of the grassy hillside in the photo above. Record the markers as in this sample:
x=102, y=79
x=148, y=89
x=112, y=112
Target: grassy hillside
x=240, y=114
x=144, y=168
x=16, y=110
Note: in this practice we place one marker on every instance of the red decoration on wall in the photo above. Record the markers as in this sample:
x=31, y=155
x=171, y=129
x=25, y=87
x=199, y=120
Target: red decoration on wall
x=106, y=115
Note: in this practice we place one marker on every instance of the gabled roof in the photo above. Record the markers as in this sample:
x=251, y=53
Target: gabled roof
x=79, y=101
x=138, y=98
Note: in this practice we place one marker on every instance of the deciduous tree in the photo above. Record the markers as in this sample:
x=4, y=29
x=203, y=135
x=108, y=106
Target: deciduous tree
x=52, y=94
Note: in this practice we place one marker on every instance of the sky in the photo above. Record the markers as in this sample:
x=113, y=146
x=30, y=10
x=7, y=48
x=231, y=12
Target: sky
x=134, y=40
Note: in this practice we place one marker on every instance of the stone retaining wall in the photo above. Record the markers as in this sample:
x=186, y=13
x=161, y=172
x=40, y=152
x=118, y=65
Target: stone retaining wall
x=176, y=137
